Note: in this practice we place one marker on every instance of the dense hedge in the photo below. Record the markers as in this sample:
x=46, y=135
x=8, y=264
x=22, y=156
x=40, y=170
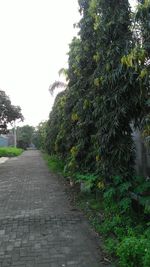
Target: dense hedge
x=90, y=126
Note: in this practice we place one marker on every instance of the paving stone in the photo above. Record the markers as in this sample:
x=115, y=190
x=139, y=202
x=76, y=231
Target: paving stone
x=37, y=225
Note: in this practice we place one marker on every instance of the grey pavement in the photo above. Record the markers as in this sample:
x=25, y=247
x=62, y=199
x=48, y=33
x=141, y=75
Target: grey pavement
x=38, y=226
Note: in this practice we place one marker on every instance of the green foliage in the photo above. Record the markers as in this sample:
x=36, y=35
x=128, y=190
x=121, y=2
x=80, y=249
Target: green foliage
x=111, y=245
x=146, y=129
x=39, y=136
x=126, y=236
x=8, y=112
x=106, y=93
x=55, y=130
x=71, y=125
x=10, y=151
x=54, y=164
x=90, y=126
x=142, y=18
x=114, y=107
x=88, y=179
x=134, y=251
x=24, y=136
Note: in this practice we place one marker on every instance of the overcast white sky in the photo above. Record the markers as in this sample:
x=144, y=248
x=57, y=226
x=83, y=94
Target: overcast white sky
x=34, y=38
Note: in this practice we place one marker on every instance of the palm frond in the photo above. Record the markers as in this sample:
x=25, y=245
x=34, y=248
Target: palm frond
x=64, y=72
x=56, y=84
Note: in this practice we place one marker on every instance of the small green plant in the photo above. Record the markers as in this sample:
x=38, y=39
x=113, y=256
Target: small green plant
x=54, y=163
x=95, y=205
x=111, y=245
x=88, y=179
x=134, y=251
x=126, y=235
x=10, y=151
x=116, y=195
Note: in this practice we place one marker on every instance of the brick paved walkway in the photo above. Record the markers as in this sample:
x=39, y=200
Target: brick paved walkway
x=37, y=225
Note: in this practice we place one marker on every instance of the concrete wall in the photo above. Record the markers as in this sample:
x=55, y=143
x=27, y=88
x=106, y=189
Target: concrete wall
x=10, y=139
x=3, y=141
x=6, y=140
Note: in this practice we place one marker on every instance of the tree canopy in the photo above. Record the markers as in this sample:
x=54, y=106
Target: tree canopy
x=107, y=95
x=8, y=112
x=24, y=136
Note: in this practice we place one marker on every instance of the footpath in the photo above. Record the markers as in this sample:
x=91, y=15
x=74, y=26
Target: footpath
x=38, y=226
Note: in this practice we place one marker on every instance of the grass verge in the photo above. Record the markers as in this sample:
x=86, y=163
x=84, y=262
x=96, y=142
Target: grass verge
x=10, y=151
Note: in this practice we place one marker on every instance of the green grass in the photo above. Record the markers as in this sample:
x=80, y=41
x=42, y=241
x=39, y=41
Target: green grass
x=10, y=151
x=54, y=164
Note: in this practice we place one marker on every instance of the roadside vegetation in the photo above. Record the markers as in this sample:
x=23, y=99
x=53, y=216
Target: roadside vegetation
x=90, y=126
x=10, y=151
x=25, y=136
x=8, y=112
x=124, y=227
x=55, y=165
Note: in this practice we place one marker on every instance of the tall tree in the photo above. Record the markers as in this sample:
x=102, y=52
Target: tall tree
x=24, y=136
x=8, y=112
x=114, y=107
x=91, y=123
x=81, y=68
x=142, y=18
x=55, y=130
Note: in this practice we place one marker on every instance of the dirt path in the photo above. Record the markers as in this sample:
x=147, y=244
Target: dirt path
x=37, y=225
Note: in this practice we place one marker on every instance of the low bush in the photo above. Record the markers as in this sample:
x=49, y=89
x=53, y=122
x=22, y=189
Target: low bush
x=125, y=234
x=124, y=229
x=134, y=251
x=10, y=151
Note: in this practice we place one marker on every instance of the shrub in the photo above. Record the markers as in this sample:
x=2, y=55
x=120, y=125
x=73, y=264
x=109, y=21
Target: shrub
x=10, y=151
x=88, y=179
x=54, y=163
x=134, y=251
